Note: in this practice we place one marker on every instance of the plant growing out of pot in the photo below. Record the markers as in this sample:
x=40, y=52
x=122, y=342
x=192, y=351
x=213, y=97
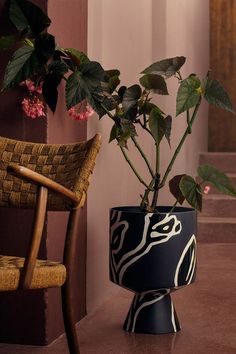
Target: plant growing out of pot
x=152, y=248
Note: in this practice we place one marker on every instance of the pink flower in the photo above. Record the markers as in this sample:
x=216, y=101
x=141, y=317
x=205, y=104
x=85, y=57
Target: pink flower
x=206, y=189
x=33, y=107
x=81, y=112
x=32, y=87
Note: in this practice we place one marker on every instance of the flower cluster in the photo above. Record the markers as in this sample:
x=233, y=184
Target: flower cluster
x=33, y=106
x=81, y=112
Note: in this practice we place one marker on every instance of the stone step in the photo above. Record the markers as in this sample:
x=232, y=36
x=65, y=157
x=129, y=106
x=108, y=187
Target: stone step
x=224, y=161
x=213, y=190
x=212, y=229
x=219, y=205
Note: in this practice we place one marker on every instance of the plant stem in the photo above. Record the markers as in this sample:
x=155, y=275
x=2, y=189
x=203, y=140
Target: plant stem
x=188, y=122
x=147, y=191
x=173, y=207
x=143, y=155
x=168, y=170
x=157, y=178
x=133, y=168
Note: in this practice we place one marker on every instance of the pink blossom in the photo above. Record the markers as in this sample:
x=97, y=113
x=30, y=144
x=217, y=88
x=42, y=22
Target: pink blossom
x=32, y=87
x=206, y=189
x=81, y=112
x=33, y=107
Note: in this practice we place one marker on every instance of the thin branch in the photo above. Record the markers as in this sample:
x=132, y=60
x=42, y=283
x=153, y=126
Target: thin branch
x=133, y=168
x=168, y=170
x=143, y=155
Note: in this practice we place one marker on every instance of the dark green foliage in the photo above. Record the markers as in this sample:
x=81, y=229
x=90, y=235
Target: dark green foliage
x=166, y=67
x=22, y=66
x=28, y=17
x=220, y=180
x=175, y=189
x=155, y=83
x=215, y=94
x=188, y=94
x=191, y=191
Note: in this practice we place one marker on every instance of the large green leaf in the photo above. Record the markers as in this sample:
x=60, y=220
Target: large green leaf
x=166, y=68
x=131, y=97
x=157, y=125
x=78, y=58
x=92, y=73
x=191, y=191
x=45, y=46
x=22, y=66
x=188, y=94
x=6, y=41
x=215, y=94
x=155, y=83
x=74, y=92
x=25, y=15
x=111, y=80
x=220, y=180
x=56, y=71
x=174, y=188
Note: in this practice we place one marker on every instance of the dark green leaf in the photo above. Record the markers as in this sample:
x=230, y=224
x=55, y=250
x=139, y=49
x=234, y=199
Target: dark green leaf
x=146, y=107
x=121, y=91
x=111, y=80
x=74, y=92
x=191, y=191
x=157, y=125
x=220, y=180
x=56, y=70
x=22, y=66
x=111, y=84
x=166, y=67
x=114, y=133
x=215, y=94
x=25, y=15
x=110, y=102
x=49, y=92
x=45, y=46
x=175, y=190
x=7, y=41
x=93, y=73
x=131, y=97
x=188, y=94
x=168, y=121
x=79, y=58
x=108, y=74
x=155, y=83
x=127, y=127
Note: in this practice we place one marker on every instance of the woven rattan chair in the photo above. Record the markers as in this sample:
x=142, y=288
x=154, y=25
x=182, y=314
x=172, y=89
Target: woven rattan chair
x=45, y=177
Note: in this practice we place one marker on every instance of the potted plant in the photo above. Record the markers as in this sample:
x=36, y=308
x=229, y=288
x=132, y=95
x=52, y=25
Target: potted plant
x=152, y=247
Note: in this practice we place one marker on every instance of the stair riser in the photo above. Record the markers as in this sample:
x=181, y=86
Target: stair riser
x=219, y=208
x=219, y=232
x=225, y=163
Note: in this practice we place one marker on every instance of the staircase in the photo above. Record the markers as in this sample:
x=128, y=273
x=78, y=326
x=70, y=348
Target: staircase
x=217, y=221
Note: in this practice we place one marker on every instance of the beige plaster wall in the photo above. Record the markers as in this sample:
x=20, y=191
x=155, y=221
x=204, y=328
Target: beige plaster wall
x=130, y=35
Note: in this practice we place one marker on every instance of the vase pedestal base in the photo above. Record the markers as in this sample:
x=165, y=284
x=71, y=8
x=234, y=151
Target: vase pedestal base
x=152, y=312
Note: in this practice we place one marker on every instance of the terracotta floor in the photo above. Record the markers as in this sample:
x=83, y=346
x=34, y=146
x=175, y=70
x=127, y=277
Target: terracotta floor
x=206, y=310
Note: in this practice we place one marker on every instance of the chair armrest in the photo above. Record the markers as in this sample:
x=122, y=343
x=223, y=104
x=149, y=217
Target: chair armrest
x=45, y=181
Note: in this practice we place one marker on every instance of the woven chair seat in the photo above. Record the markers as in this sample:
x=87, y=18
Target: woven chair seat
x=46, y=273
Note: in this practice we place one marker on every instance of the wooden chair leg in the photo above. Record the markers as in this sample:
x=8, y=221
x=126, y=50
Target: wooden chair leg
x=69, y=321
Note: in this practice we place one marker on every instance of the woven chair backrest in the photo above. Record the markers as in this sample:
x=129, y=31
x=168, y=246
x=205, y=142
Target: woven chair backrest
x=67, y=164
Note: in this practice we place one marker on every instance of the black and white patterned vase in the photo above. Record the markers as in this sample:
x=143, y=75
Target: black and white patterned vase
x=152, y=254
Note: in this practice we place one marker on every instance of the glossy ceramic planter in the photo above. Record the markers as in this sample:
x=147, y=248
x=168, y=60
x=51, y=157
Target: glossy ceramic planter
x=152, y=254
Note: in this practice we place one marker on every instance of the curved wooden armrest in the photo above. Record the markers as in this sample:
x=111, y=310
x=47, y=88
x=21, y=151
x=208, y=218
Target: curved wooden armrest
x=45, y=181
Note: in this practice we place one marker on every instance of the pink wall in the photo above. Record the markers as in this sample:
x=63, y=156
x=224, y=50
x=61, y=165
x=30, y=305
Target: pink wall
x=130, y=35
